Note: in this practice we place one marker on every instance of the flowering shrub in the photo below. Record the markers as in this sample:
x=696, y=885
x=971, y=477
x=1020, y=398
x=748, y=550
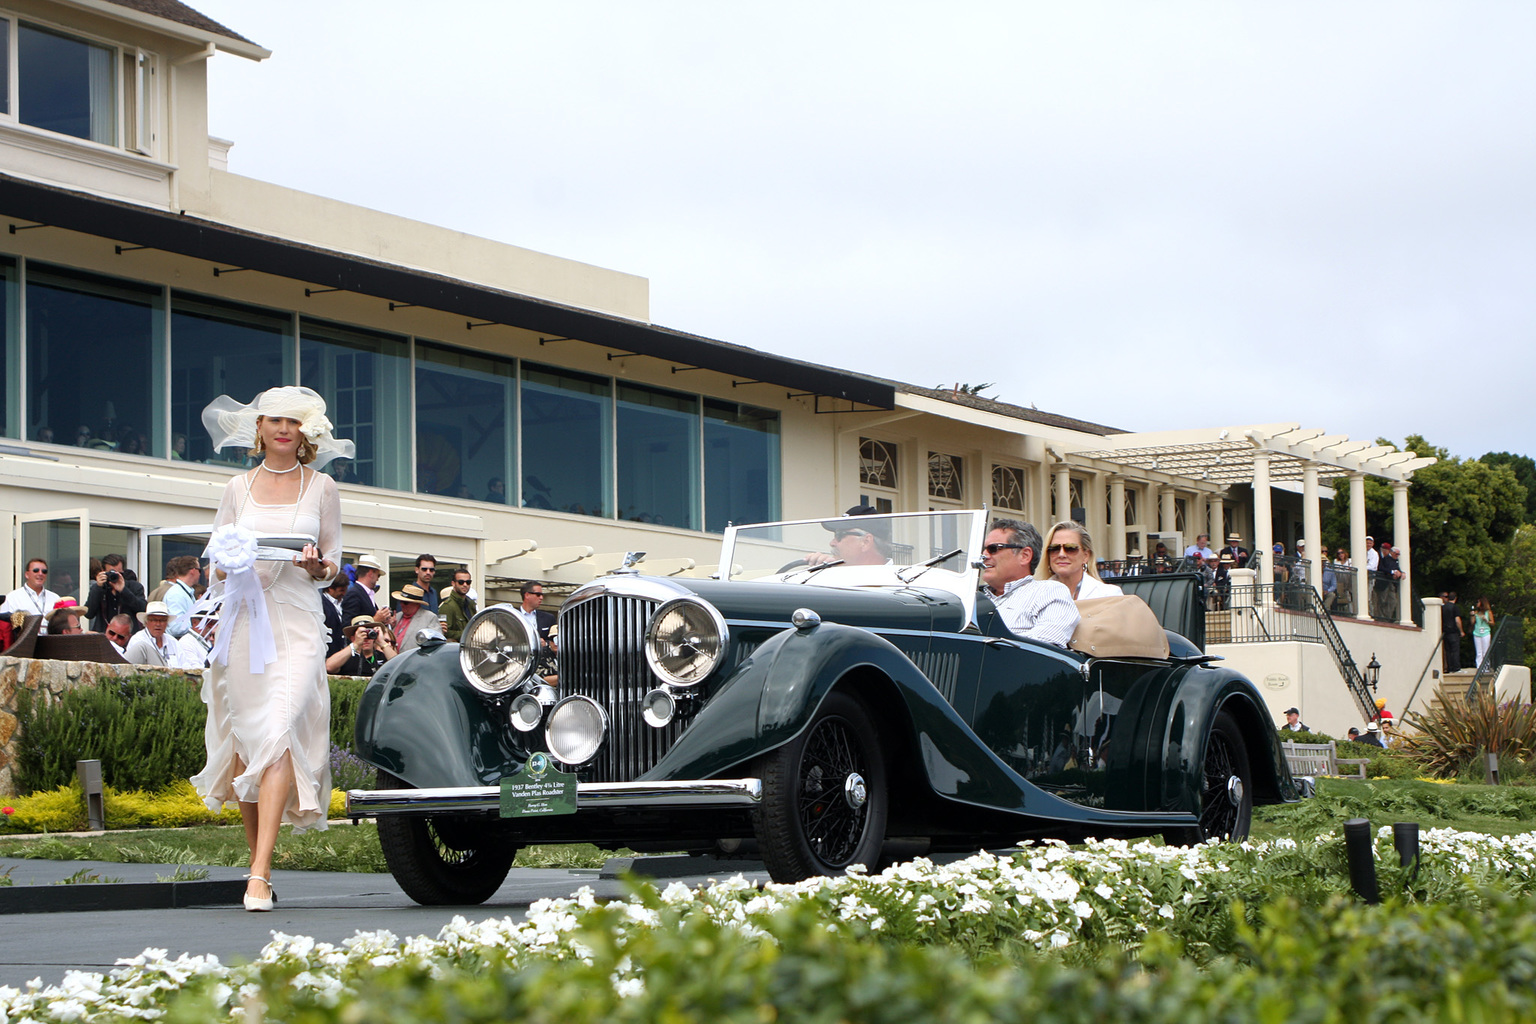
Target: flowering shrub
x=1451, y=736
x=914, y=942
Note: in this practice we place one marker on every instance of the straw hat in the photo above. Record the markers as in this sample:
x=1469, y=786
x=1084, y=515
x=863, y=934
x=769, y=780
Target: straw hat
x=411, y=594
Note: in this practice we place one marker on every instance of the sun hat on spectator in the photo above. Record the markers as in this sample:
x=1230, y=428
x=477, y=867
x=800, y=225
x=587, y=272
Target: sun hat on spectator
x=154, y=608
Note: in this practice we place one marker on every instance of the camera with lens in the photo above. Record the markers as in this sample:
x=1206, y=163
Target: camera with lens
x=113, y=575
x=372, y=634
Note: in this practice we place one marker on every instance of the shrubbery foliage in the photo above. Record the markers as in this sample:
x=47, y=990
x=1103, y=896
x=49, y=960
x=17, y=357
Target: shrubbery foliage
x=1452, y=736
x=1263, y=932
x=145, y=729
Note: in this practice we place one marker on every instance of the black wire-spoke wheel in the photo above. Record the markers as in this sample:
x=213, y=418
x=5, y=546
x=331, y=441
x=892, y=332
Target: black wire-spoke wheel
x=1226, y=788
x=824, y=795
x=444, y=859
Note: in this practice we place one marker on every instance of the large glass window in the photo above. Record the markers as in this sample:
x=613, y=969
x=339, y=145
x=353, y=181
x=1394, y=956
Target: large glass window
x=218, y=348
x=658, y=456
x=741, y=465
x=365, y=380
x=66, y=85
x=95, y=361
x=567, y=441
x=465, y=436
x=10, y=350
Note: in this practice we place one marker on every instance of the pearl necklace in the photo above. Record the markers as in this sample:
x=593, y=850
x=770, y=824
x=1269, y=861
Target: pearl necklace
x=279, y=472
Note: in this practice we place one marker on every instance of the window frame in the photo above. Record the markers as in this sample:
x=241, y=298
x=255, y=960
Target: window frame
x=136, y=103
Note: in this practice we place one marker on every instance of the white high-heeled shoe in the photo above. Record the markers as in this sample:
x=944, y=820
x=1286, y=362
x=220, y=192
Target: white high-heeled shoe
x=256, y=902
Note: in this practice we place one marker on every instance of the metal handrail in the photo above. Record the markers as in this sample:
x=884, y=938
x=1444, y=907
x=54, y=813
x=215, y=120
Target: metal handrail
x=1342, y=658
x=1439, y=646
x=1506, y=646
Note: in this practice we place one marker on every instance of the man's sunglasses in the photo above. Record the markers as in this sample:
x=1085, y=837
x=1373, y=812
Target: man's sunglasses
x=119, y=636
x=40, y=572
x=840, y=534
x=993, y=549
x=1070, y=549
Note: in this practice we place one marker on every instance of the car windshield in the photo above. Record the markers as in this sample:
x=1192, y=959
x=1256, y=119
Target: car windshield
x=948, y=541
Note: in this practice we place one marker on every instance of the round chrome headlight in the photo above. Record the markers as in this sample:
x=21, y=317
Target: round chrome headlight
x=657, y=708
x=685, y=641
x=526, y=712
x=496, y=650
x=575, y=729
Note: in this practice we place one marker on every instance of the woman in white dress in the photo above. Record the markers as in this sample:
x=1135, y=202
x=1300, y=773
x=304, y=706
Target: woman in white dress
x=268, y=731
x=1069, y=559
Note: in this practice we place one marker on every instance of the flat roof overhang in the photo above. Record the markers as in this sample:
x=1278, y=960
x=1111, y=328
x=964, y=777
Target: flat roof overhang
x=233, y=247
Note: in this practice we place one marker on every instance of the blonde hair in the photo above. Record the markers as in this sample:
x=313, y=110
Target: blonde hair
x=1043, y=570
x=305, y=451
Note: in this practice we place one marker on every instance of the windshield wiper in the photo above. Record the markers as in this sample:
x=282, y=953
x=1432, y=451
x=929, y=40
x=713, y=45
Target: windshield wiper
x=924, y=567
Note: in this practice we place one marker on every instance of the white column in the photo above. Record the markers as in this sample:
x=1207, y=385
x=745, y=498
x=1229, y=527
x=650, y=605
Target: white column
x=1116, y=544
x=1263, y=526
x=1312, y=525
x=1357, y=545
x=1400, y=540
x=1040, y=494
x=1165, y=513
x=1217, y=528
x=1063, y=495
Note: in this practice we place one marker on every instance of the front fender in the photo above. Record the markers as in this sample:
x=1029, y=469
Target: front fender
x=420, y=720
x=1202, y=693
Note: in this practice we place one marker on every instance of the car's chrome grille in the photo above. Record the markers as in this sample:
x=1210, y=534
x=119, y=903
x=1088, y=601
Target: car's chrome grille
x=602, y=656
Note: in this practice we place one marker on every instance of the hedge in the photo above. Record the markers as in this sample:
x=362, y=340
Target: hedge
x=146, y=729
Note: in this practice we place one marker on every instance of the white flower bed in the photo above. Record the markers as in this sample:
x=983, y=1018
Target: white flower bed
x=1049, y=895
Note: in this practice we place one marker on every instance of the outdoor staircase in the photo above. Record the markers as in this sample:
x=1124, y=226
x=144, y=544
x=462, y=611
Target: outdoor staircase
x=1453, y=685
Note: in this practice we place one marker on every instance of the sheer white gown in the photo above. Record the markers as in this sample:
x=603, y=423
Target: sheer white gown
x=253, y=719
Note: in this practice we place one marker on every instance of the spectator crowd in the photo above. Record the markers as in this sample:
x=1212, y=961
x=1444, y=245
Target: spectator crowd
x=171, y=626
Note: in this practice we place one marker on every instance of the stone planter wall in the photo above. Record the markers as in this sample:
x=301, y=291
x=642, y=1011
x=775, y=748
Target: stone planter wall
x=49, y=680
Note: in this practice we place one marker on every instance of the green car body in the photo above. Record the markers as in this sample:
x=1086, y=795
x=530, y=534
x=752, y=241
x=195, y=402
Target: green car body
x=980, y=738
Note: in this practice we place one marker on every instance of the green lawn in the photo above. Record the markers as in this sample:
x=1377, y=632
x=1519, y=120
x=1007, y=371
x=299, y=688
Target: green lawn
x=343, y=848
x=1496, y=810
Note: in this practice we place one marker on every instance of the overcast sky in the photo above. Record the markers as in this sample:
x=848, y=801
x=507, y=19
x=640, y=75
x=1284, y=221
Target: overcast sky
x=1147, y=215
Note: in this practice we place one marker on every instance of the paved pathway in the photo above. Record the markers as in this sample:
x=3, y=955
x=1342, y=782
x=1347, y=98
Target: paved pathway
x=329, y=906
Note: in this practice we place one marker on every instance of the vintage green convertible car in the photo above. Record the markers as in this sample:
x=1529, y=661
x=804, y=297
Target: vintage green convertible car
x=817, y=715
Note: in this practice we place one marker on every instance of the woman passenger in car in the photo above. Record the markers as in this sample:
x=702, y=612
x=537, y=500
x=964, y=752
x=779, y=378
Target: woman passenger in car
x=1069, y=560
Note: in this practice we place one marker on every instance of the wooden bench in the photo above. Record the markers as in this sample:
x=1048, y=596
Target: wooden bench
x=1321, y=759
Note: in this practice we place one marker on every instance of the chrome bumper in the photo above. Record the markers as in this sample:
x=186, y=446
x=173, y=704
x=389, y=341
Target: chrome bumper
x=702, y=794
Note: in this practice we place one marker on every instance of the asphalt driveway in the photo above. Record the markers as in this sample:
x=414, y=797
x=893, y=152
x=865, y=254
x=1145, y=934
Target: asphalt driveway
x=328, y=906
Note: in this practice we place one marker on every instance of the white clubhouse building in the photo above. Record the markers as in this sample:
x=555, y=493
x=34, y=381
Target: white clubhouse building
x=514, y=412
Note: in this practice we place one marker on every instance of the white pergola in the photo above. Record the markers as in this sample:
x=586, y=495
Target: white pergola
x=1211, y=460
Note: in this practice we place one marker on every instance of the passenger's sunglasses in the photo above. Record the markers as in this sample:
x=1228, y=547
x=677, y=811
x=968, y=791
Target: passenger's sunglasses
x=993, y=549
x=1070, y=549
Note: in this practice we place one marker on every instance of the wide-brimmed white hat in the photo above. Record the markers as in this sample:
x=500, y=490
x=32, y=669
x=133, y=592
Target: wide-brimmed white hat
x=232, y=424
x=154, y=608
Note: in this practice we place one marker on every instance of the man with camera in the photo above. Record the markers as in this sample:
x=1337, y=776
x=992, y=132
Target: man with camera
x=115, y=592
x=368, y=648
